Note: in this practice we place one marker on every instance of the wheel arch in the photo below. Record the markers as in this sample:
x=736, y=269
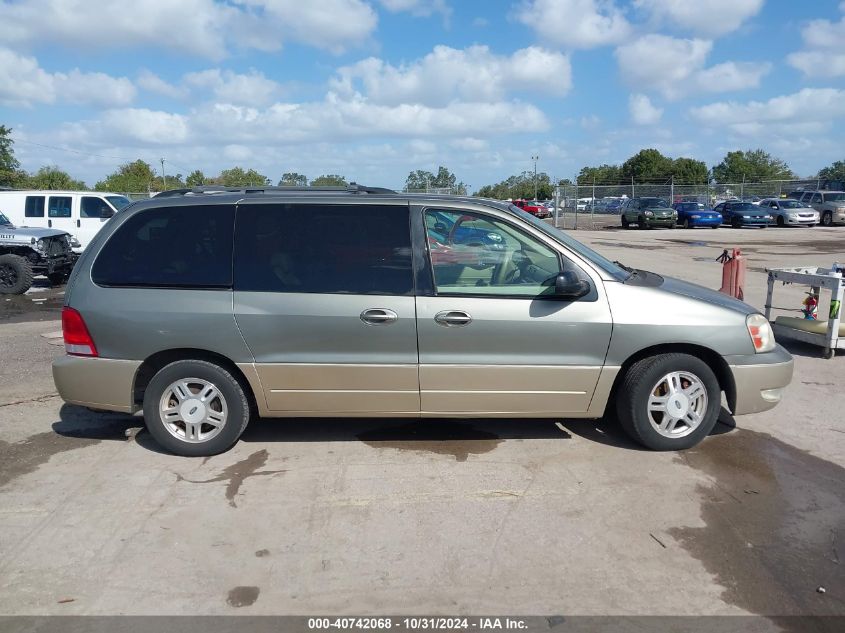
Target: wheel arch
x=713, y=359
x=154, y=363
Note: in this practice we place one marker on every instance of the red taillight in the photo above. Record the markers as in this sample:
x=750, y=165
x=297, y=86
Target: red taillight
x=78, y=341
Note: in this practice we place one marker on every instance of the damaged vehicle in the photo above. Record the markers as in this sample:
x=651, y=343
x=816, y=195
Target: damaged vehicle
x=27, y=252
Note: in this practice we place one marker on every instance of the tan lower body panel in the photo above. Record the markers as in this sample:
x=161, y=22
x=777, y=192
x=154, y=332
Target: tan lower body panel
x=99, y=383
x=334, y=389
x=522, y=390
x=760, y=387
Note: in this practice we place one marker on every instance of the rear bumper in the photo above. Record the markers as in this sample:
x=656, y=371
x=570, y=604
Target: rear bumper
x=99, y=383
x=760, y=380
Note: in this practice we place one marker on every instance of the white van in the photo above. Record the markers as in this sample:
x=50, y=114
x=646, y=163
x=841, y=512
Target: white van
x=80, y=213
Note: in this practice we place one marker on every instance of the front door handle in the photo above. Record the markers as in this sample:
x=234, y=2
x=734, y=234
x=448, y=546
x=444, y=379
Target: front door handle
x=453, y=318
x=379, y=316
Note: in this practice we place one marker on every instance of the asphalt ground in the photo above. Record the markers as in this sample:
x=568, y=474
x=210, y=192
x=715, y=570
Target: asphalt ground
x=532, y=517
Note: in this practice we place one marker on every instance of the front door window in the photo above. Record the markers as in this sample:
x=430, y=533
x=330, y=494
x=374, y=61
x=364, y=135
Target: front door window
x=474, y=254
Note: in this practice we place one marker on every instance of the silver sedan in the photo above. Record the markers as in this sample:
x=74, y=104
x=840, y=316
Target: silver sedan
x=789, y=212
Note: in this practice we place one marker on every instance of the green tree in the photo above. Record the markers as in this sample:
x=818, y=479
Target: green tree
x=647, y=165
x=423, y=180
x=601, y=175
x=53, y=178
x=519, y=186
x=293, y=179
x=835, y=171
x=11, y=175
x=237, y=177
x=688, y=171
x=751, y=166
x=195, y=179
x=136, y=176
x=329, y=180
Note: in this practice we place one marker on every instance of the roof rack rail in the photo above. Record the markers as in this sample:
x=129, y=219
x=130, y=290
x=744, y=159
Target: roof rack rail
x=211, y=189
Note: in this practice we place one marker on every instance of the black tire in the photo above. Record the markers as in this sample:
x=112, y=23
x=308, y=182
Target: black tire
x=635, y=391
x=15, y=275
x=715, y=226
x=780, y=221
x=642, y=224
x=827, y=218
x=231, y=390
x=625, y=223
x=809, y=226
x=736, y=223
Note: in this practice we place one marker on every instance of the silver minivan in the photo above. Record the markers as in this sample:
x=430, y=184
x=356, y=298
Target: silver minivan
x=207, y=308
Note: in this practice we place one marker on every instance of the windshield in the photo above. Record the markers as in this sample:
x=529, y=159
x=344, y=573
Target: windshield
x=653, y=203
x=4, y=219
x=791, y=204
x=744, y=206
x=834, y=197
x=119, y=202
x=586, y=252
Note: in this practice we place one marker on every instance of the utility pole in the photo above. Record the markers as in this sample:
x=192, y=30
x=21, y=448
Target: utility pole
x=672, y=191
x=535, y=159
x=163, y=176
x=742, y=188
x=632, y=187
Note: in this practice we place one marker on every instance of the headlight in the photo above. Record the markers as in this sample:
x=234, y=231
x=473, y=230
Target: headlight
x=792, y=216
x=695, y=217
x=73, y=241
x=40, y=246
x=746, y=217
x=648, y=214
x=674, y=214
x=760, y=332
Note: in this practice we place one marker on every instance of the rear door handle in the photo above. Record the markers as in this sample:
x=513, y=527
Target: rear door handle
x=453, y=318
x=379, y=316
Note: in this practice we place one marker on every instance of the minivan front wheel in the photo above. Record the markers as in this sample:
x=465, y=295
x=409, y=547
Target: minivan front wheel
x=195, y=408
x=669, y=402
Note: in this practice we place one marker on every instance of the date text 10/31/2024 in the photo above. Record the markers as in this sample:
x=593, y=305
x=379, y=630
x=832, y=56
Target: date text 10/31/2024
x=417, y=623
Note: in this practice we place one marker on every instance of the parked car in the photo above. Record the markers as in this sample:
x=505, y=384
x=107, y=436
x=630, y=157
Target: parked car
x=234, y=316
x=26, y=252
x=829, y=204
x=789, y=212
x=739, y=214
x=534, y=208
x=648, y=213
x=80, y=213
x=694, y=214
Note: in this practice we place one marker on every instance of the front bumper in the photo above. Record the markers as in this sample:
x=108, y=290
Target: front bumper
x=99, y=383
x=717, y=221
x=670, y=221
x=759, y=380
x=753, y=221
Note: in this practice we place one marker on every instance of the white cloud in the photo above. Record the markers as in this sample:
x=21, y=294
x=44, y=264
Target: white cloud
x=200, y=27
x=807, y=105
x=252, y=88
x=704, y=17
x=642, y=111
x=675, y=67
x=824, y=42
x=151, y=82
x=149, y=127
x=420, y=8
x=575, y=23
x=473, y=75
x=24, y=83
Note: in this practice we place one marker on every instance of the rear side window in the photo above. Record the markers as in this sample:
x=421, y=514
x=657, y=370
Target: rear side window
x=170, y=247
x=34, y=207
x=59, y=206
x=331, y=249
x=94, y=208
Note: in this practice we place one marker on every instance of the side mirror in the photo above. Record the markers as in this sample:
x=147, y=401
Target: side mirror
x=568, y=286
x=106, y=213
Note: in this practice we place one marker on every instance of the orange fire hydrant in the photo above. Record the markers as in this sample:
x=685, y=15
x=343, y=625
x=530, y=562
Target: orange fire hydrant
x=733, y=273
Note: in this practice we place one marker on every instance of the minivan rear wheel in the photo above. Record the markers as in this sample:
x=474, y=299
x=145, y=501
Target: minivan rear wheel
x=669, y=402
x=195, y=408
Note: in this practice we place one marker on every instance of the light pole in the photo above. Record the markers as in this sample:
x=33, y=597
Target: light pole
x=535, y=158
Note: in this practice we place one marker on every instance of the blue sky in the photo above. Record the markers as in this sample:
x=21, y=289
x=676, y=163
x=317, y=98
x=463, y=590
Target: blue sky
x=373, y=89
